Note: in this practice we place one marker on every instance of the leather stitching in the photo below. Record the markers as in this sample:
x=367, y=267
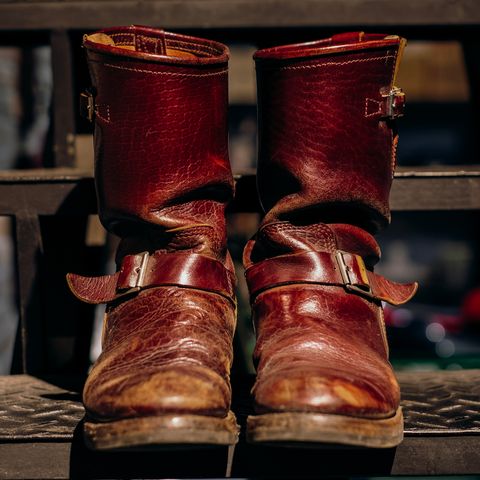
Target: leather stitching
x=368, y=102
x=201, y=48
x=106, y=119
x=139, y=70
x=327, y=64
x=394, y=140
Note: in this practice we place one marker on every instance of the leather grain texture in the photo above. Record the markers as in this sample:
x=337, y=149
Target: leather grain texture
x=320, y=136
x=163, y=179
x=325, y=166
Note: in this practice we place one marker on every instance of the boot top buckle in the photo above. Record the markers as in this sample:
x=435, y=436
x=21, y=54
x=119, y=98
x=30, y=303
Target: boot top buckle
x=394, y=102
x=87, y=105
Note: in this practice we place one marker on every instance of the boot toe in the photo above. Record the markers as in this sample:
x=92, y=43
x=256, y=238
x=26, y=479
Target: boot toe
x=325, y=392
x=190, y=390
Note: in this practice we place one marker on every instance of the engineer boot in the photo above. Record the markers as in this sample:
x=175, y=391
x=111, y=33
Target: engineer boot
x=326, y=159
x=163, y=178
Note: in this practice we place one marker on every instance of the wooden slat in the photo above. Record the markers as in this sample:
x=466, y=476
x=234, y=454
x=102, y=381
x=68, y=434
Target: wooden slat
x=21, y=15
x=28, y=246
x=63, y=91
x=46, y=192
x=68, y=191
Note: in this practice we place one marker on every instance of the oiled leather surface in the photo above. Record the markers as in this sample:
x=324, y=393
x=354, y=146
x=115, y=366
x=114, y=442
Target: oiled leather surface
x=166, y=350
x=324, y=175
x=181, y=269
x=319, y=348
x=320, y=136
x=161, y=151
x=163, y=179
x=324, y=268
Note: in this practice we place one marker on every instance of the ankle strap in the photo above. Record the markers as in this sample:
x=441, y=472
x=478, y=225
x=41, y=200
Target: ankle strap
x=145, y=270
x=341, y=268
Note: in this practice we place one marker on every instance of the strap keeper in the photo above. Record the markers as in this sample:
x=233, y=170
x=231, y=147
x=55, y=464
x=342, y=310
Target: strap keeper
x=363, y=289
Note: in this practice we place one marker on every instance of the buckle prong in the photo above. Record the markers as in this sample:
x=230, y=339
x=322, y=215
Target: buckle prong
x=142, y=269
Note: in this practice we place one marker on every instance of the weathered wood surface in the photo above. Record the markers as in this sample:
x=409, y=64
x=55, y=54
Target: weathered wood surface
x=77, y=14
x=40, y=437
x=71, y=192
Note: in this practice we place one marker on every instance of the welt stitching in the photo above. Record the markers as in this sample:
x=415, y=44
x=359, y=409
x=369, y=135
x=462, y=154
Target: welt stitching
x=173, y=74
x=347, y=62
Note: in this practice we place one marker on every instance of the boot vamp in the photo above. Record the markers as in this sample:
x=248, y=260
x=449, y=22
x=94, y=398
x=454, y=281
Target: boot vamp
x=168, y=350
x=321, y=349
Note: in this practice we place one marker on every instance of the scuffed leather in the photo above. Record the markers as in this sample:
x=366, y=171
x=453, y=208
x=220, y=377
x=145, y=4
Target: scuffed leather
x=320, y=349
x=163, y=179
x=325, y=169
x=167, y=350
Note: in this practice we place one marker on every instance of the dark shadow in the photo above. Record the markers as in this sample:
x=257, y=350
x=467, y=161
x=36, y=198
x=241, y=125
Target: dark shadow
x=157, y=463
x=303, y=460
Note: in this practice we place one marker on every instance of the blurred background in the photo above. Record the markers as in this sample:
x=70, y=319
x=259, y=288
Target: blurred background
x=439, y=329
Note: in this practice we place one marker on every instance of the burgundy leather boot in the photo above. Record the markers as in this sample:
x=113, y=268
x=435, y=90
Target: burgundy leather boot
x=326, y=162
x=163, y=178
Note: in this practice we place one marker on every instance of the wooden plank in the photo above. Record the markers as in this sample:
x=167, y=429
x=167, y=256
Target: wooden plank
x=72, y=197
x=414, y=189
x=28, y=253
x=22, y=15
x=72, y=192
x=63, y=91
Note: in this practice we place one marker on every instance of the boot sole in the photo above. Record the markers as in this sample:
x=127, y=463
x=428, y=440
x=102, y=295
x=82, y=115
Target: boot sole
x=292, y=428
x=146, y=433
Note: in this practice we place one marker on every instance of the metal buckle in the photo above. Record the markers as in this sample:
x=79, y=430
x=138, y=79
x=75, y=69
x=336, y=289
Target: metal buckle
x=140, y=271
x=345, y=273
x=87, y=105
x=395, y=102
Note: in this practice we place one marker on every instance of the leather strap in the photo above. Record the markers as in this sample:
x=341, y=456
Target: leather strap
x=146, y=270
x=341, y=268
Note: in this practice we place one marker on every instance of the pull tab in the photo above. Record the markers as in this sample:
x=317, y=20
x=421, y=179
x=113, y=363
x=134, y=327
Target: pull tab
x=150, y=43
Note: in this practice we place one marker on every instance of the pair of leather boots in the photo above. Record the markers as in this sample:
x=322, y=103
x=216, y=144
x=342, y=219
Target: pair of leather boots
x=326, y=112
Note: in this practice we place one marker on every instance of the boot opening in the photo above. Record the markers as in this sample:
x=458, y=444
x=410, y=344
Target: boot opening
x=145, y=44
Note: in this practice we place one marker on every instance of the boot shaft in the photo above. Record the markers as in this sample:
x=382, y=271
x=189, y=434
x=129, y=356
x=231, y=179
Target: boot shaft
x=160, y=108
x=326, y=137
